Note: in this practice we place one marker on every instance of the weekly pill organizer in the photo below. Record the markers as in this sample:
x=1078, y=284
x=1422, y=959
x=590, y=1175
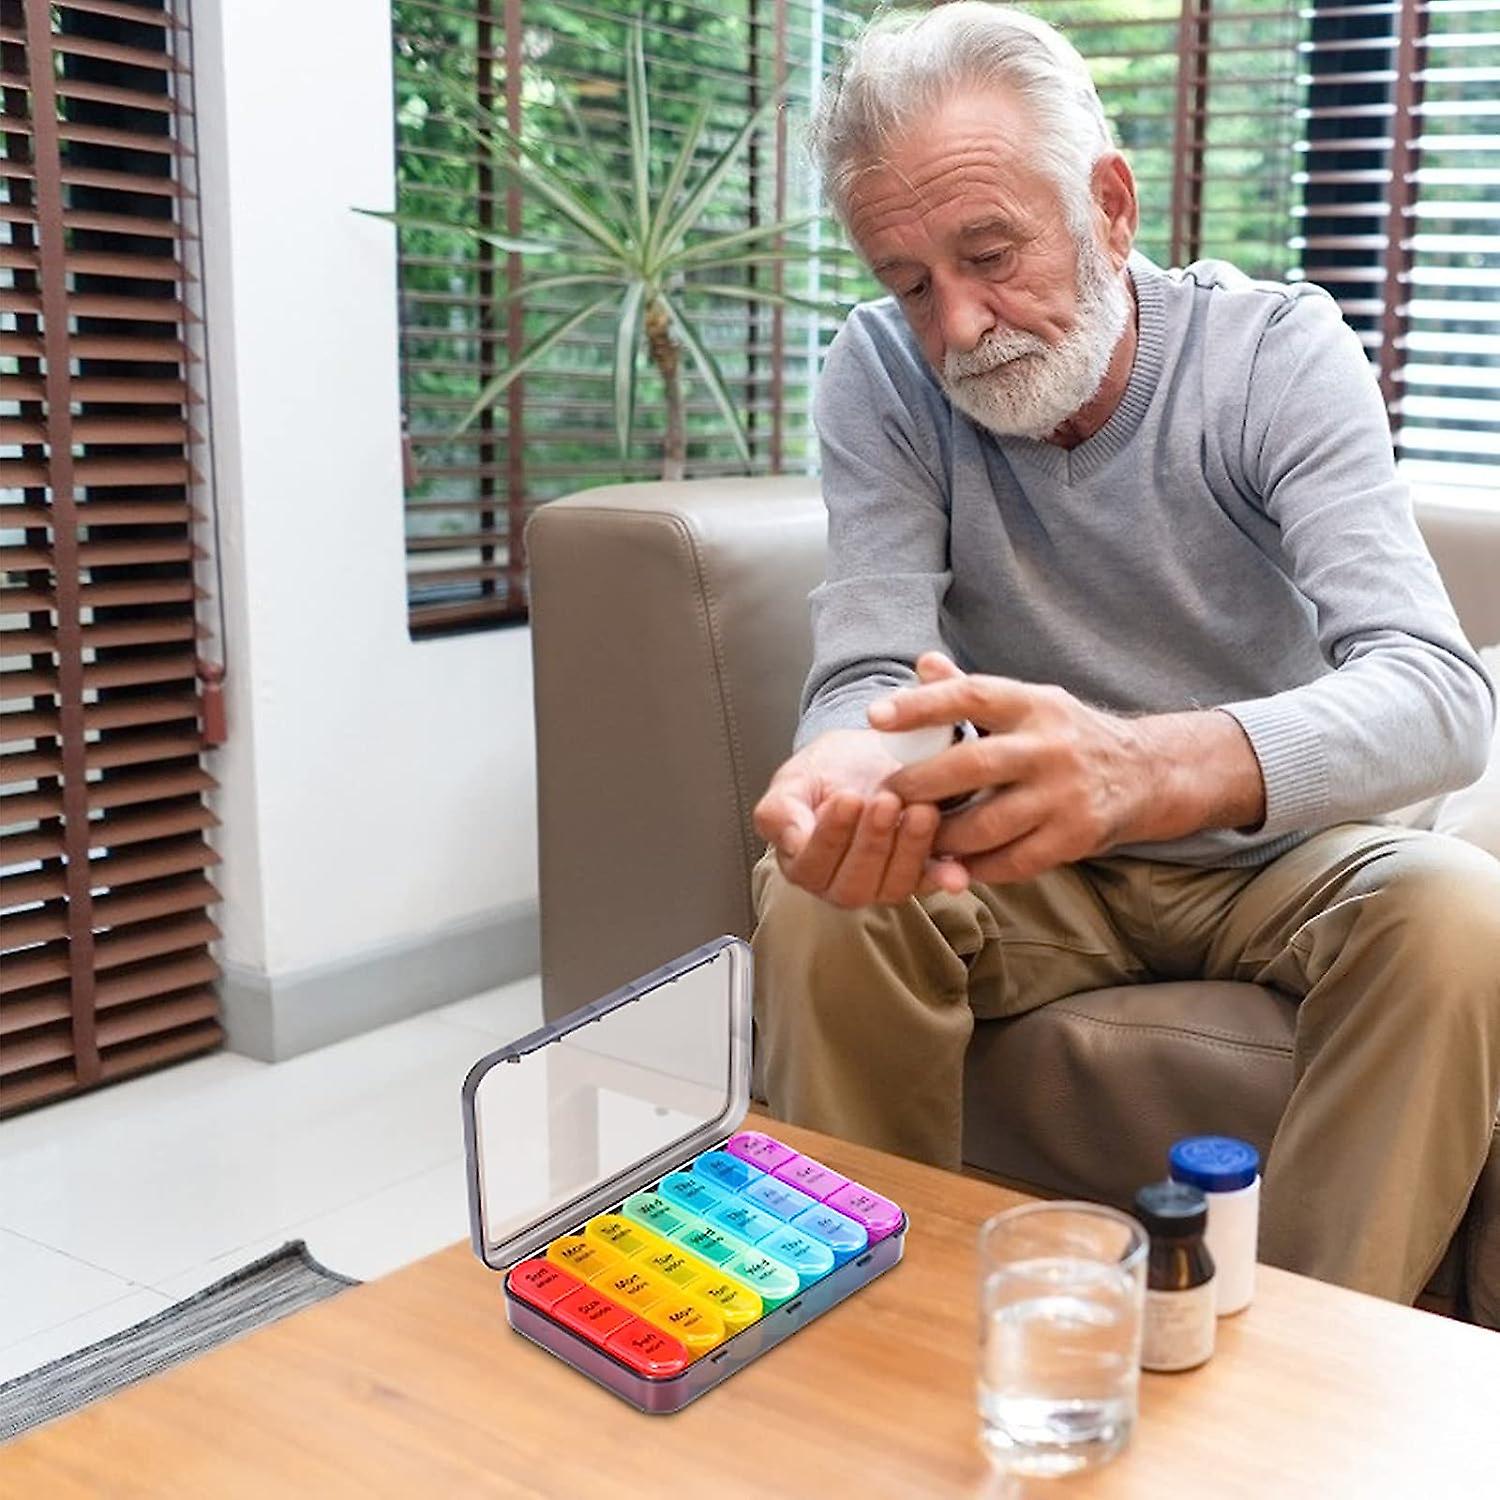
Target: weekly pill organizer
x=645, y=1238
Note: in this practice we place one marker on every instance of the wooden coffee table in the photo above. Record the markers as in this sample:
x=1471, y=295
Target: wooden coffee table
x=414, y=1386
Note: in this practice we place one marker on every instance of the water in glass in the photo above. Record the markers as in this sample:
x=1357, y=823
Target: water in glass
x=1060, y=1348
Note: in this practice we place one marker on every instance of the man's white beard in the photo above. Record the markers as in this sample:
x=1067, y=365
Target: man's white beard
x=1035, y=395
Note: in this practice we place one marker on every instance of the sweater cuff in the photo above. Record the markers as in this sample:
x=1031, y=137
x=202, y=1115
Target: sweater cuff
x=845, y=705
x=1293, y=764
x=840, y=714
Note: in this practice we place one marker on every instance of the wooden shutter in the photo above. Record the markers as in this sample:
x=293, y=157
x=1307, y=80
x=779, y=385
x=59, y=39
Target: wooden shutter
x=468, y=498
x=104, y=890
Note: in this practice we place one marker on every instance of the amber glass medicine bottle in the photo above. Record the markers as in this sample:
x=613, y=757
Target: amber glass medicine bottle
x=1180, y=1315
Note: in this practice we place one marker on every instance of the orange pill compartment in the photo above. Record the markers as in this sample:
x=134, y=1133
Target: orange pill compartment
x=646, y=1240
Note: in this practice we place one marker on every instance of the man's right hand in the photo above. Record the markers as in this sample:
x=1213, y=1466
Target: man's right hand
x=841, y=835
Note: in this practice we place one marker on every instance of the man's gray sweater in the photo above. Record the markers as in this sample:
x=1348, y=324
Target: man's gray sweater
x=1234, y=536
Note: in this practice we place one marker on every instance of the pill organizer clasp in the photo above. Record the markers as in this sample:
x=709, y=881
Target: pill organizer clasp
x=643, y=1237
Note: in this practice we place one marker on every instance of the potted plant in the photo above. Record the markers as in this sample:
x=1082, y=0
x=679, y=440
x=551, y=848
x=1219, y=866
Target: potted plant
x=653, y=265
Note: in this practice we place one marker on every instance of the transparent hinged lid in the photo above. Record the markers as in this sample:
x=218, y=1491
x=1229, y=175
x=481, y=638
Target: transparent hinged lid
x=570, y=1119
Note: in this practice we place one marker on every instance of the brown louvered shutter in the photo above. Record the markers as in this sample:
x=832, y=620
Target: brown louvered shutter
x=106, y=966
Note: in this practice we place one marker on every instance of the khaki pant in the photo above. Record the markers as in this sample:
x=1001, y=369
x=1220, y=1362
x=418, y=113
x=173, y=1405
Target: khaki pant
x=1389, y=939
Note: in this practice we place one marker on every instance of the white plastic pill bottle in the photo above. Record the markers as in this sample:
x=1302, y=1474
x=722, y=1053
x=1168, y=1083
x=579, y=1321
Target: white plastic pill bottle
x=1228, y=1172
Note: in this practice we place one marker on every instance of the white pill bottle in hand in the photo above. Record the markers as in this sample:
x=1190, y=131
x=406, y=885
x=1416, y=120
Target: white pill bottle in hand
x=1228, y=1172
x=912, y=746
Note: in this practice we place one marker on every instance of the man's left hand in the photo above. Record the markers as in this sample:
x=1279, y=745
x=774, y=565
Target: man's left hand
x=1066, y=781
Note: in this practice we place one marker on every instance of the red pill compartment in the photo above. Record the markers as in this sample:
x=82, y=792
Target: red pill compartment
x=648, y=1351
x=541, y=1283
x=591, y=1314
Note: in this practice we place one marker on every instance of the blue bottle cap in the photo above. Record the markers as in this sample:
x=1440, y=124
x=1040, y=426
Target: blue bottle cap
x=1215, y=1163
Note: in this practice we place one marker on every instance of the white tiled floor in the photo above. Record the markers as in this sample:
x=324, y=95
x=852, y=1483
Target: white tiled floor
x=120, y=1202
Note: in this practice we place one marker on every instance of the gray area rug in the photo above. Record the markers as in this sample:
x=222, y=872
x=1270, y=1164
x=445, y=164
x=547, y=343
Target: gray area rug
x=283, y=1282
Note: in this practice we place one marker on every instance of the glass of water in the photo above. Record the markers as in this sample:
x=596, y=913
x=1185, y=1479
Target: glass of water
x=1061, y=1292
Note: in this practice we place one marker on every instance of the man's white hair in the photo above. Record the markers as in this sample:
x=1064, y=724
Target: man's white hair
x=907, y=61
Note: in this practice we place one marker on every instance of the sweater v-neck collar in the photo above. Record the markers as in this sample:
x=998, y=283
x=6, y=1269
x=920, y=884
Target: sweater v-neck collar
x=1070, y=465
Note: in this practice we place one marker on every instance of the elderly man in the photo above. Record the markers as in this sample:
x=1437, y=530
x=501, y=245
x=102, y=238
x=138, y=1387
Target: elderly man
x=1144, y=528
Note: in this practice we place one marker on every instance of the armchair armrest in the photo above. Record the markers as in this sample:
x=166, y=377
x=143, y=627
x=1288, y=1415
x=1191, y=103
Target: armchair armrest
x=670, y=638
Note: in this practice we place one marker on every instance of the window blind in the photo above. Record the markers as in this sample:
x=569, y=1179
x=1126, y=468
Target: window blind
x=1437, y=340
x=1203, y=96
x=106, y=966
x=1356, y=145
x=467, y=498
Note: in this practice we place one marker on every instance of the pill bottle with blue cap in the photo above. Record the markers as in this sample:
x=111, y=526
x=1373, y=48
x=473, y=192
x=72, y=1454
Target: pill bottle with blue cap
x=1227, y=1171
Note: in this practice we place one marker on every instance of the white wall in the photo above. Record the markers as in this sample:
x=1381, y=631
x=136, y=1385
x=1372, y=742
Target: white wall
x=373, y=788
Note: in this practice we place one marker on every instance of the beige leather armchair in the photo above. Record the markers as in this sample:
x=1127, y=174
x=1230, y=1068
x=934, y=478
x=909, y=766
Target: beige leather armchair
x=670, y=636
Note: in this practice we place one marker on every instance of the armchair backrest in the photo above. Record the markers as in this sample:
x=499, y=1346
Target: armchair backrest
x=670, y=639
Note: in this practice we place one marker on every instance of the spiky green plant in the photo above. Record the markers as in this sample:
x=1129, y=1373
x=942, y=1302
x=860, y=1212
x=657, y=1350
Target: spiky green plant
x=653, y=266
